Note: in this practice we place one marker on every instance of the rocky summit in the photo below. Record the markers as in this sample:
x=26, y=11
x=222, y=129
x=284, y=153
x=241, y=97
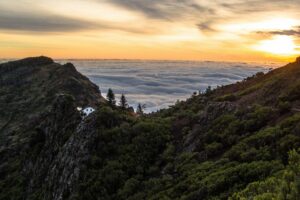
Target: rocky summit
x=239, y=141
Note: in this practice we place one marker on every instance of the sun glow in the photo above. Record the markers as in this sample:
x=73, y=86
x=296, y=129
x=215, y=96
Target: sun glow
x=279, y=45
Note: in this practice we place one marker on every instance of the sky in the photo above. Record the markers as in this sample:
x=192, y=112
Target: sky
x=232, y=30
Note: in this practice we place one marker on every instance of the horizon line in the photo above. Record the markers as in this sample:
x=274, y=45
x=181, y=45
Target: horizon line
x=149, y=60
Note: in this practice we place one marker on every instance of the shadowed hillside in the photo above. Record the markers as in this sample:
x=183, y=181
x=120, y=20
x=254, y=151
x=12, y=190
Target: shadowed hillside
x=239, y=141
x=30, y=85
x=37, y=101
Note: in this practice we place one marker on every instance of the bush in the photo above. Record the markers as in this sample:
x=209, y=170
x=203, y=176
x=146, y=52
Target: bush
x=108, y=118
x=282, y=186
x=284, y=107
x=228, y=97
x=213, y=148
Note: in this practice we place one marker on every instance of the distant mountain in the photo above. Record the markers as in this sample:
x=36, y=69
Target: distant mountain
x=239, y=141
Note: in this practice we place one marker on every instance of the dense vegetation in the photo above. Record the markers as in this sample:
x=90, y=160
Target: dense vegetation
x=140, y=158
x=239, y=141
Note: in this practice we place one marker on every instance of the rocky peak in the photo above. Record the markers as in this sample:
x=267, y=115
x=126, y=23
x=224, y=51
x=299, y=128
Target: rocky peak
x=31, y=61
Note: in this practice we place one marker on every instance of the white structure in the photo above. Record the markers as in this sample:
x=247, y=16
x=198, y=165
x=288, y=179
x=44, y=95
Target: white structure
x=87, y=111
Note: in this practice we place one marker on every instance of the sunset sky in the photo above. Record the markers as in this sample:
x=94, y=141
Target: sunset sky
x=238, y=30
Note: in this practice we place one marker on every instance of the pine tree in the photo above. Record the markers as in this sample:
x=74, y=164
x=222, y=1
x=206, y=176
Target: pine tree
x=208, y=91
x=111, y=97
x=123, y=102
x=140, y=109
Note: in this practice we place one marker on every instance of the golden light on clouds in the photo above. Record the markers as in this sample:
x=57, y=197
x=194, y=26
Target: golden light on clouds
x=157, y=29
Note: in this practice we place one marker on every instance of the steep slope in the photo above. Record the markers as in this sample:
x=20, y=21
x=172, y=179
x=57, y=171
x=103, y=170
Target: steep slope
x=281, y=84
x=231, y=142
x=237, y=134
x=211, y=146
x=30, y=85
x=38, y=100
x=275, y=94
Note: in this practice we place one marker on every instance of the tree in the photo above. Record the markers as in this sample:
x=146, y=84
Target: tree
x=111, y=97
x=208, y=90
x=123, y=102
x=140, y=109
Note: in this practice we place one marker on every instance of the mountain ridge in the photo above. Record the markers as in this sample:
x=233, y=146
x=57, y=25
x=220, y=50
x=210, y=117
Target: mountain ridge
x=221, y=144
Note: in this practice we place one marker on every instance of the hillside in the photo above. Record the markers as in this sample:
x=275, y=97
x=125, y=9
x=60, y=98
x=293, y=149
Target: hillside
x=30, y=85
x=35, y=99
x=239, y=141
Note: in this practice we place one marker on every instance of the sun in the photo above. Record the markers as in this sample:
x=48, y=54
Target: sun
x=278, y=45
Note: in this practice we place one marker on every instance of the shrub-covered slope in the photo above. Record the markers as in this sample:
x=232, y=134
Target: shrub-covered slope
x=231, y=142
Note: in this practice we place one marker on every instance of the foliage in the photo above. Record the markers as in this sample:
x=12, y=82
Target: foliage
x=139, y=158
x=124, y=156
x=111, y=97
x=123, y=102
x=208, y=91
x=235, y=141
x=284, y=186
x=227, y=97
x=140, y=109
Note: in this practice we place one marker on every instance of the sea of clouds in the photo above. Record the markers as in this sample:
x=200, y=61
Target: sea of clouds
x=159, y=84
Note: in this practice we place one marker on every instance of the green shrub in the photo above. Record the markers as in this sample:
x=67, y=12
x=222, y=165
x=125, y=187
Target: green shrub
x=228, y=97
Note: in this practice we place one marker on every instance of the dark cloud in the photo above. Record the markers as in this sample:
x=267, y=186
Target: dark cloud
x=295, y=32
x=40, y=22
x=291, y=32
x=205, y=15
x=236, y=9
x=206, y=26
x=164, y=9
x=256, y=6
x=44, y=22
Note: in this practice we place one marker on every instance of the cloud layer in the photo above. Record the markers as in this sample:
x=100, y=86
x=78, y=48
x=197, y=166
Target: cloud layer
x=291, y=32
x=159, y=84
x=164, y=9
x=206, y=15
x=147, y=29
x=40, y=22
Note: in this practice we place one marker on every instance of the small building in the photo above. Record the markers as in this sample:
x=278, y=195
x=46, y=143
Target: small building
x=88, y=110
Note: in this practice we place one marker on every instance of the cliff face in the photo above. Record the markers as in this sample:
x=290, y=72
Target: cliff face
x=58, y=151
x=225, y=143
